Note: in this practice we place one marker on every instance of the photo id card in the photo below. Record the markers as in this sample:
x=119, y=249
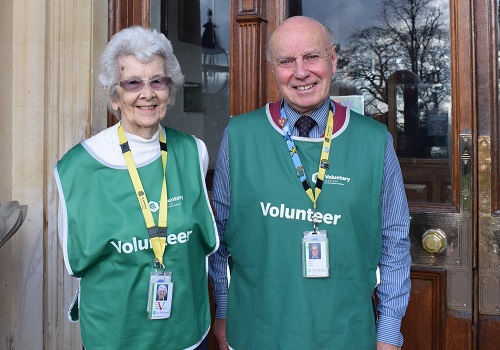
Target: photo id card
x=315, y=254
x=161, y=288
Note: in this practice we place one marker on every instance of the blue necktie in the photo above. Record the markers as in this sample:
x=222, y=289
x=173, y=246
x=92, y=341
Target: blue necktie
x=304, y=125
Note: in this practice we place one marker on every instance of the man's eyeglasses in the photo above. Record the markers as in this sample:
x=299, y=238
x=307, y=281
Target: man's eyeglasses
x=136, y=85
x=308, y=59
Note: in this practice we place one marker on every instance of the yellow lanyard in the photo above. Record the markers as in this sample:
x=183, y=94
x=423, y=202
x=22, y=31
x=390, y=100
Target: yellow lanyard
x=157, y=234
x=323, y=164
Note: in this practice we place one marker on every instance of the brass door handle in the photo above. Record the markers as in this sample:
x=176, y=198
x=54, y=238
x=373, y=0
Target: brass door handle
x=434, y=241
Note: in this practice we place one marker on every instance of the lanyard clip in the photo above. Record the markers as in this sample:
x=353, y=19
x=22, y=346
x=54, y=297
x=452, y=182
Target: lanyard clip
x=158, y=265
x=153, y=232
x=316, y=221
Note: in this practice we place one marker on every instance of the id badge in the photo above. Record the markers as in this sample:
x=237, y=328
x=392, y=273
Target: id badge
x=315, y=254
x=161, y=288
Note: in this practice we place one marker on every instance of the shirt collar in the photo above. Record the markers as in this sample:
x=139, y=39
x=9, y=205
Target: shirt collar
x=319, y=115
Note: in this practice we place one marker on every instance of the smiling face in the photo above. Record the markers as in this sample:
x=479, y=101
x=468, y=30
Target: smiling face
x=141, y=112
x=314, y=251
x=303, y=63
x=162, y=293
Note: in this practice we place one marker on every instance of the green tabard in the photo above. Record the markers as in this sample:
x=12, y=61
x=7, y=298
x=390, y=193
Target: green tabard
x=270, y=304
x=108, y=247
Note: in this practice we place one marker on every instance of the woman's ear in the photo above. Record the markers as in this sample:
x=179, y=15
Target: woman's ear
x=114, y=105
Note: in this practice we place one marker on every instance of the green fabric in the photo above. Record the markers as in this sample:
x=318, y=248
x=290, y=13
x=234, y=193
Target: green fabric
x=108, y=247
x=270, y=304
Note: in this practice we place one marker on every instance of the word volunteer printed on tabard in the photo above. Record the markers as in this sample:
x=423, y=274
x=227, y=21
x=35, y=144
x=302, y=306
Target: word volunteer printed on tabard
x=281, y=211
x=137, y=244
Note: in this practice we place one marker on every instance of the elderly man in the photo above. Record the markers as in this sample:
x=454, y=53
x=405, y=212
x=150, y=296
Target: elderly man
x=307, y=170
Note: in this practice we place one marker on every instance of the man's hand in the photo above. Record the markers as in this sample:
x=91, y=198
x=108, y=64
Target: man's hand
x=220, y=333
x=382, y=346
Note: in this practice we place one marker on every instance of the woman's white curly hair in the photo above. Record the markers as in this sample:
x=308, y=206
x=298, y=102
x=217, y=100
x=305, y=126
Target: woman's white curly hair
x=144, y=44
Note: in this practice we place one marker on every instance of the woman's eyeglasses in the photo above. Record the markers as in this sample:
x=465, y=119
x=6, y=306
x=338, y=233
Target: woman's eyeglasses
x=136, y=85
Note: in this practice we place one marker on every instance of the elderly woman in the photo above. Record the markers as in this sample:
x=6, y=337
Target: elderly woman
x=134, y=211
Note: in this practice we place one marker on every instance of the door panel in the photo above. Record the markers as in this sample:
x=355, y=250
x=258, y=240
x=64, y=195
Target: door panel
x=428, y=306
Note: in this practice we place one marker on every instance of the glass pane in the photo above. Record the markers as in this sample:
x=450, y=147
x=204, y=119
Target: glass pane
x=199, y=32
x=396, y=54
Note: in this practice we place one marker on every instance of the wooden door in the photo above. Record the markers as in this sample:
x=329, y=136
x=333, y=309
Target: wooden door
x=444, y=121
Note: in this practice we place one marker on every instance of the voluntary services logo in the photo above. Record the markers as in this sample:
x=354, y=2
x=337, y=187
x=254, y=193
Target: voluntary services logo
x=332, y=179
x=172, y=202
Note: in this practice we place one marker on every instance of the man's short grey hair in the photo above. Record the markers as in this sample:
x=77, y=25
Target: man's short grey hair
x=328, y=31
x=144, y=44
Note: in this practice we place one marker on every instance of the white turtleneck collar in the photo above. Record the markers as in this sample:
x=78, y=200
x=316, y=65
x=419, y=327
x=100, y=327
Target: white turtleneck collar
x=105, y=145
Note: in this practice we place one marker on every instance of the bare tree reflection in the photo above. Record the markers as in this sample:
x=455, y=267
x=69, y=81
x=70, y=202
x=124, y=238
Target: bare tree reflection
x=409, y=35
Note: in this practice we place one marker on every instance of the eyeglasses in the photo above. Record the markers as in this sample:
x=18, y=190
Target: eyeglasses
x=136, y=85
x=309, y=59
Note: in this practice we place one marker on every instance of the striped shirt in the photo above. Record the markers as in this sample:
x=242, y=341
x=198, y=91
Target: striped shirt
x=393, y=292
